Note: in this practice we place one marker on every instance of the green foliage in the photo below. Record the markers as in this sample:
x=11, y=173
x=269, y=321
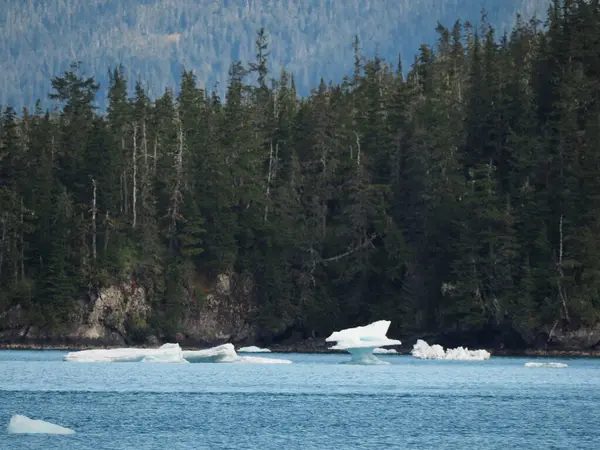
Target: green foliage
x=464, y=196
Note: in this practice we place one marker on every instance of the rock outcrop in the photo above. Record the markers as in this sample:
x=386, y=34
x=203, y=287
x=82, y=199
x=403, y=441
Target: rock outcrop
x=106, y=317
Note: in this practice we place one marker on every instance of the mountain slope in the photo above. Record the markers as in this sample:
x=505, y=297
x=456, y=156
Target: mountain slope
x=154, y=39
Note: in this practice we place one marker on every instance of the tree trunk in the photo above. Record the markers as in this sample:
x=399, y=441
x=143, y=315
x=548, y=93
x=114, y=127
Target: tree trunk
x=268, y=189
x=94, y=231
x=134, y=188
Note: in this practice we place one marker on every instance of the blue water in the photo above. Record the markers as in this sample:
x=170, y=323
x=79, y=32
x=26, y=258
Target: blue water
x=314, y=403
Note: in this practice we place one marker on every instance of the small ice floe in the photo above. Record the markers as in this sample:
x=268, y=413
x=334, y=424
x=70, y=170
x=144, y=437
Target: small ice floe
x=361, y=342
x=226, y=354
x=555, y=365
x=385, y=351
x=24, y=425
x=422, y=350
x=253, y=349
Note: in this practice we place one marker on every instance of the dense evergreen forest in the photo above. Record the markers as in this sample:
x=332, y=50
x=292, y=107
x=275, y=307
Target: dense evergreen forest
x=464, y=197
x=154, y=39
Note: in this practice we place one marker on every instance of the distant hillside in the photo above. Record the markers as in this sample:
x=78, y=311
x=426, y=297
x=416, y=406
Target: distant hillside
x=155, y=39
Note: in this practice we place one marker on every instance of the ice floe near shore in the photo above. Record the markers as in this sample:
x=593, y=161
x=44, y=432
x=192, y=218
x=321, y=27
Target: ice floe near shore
x=169, y=353
x=24, y=425
x=546, y=364
x=422, y=350
x=361, y=342
x=226, y=354
x=253, y=349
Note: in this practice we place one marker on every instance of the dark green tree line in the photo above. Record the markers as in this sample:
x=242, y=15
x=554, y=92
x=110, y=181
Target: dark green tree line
x=462, y=198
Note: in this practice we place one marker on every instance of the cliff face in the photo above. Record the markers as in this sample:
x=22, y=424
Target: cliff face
x=114, y=315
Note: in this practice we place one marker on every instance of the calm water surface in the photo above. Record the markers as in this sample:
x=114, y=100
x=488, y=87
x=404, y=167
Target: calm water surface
x=313, y=403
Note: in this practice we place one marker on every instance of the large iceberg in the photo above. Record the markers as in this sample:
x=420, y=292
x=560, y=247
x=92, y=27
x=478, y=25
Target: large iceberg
x=362, y=341
x=24, y=425
x=170, y=353
x=253, y=349
x=422, y=350
x=554, y=365
x=226, y=354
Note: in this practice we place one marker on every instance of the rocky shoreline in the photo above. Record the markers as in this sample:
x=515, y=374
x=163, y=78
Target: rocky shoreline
x=307, y=347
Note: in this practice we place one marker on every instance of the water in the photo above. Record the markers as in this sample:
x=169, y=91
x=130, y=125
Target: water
x=314, y=403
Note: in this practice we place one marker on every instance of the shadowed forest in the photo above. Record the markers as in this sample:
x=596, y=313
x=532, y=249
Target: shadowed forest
x=463, y=198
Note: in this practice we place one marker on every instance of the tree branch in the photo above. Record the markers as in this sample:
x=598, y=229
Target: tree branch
x=351, y=251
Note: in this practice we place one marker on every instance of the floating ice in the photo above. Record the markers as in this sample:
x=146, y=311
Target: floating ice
x=260, y=360
x=226, y=354
x=169, y=353
x=24, y=425
x=253, y=349
x=422, y=350
x=166, y=353
x=546, y=364
x=361, y=342
x=385, y=351
x=219, y=354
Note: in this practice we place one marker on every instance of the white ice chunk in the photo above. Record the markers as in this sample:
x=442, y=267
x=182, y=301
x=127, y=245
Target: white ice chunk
x=226, y=354
x=165, y=353
x=384, y=351
x=259, y=360
x=546, y=364
x=422, y=350
x=253, y=349
x=24, y=425
x=220, y=354
x=362, y=341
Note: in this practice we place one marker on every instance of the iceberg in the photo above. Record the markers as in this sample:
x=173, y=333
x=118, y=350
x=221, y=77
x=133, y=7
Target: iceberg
x=361, y=342
x=260, y=360
x=422, y=350
x=170, y=353
x=546, y=364
x=253, y=349
x=220, y=354
x=385, y=351
x=24, y=425
x=226, y=354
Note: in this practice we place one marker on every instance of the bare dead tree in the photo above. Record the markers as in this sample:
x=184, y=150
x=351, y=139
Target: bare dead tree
x=561, y=290
x=94, y=211
x=134, y=188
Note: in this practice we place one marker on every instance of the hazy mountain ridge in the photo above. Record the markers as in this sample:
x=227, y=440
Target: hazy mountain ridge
x=155, y=39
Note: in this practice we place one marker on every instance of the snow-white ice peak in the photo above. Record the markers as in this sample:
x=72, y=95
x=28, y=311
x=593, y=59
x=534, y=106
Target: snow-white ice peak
x=422, y=350
x=169, y=353
x=253, y=349
x=362, y=341
x=24, y=425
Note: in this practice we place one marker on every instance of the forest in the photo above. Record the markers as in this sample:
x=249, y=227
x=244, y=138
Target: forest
x=154, y=39
x=461, y=198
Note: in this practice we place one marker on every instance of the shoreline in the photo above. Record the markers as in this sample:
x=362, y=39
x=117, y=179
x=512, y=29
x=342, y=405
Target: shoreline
x=309, y=349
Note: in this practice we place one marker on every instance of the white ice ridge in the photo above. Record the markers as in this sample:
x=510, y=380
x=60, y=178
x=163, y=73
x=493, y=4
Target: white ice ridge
x=167, y=353
x=361, y=342
x=24, y=425
x=546, y=364
x=422, y=350
x=253, y=349
x=226, y=354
